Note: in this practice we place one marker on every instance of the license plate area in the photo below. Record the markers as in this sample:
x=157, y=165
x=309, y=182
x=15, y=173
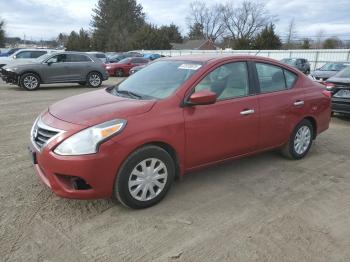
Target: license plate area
x=32, y=156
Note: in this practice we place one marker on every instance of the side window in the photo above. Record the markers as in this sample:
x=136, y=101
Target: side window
x=77, y=58
x=24, y=54
x=36, y=54
x=290, y=78
x=58, y=59
x=227, y=81
x=271, y=78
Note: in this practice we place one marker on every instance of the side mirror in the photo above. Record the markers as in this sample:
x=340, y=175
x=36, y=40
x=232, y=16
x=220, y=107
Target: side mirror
x=49, y=63
x=204, y=97
x=14, y=57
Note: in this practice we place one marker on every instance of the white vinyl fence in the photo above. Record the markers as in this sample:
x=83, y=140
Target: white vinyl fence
x=316, y=57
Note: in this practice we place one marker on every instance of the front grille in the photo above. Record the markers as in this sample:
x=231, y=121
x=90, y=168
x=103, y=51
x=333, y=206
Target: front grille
x=41, y=134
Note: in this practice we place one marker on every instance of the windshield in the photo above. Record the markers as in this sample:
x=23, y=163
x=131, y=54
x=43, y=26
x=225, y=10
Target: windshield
x=124, y=61
x=158, y=80
x=42, y=58
x=289, y=61
x=345, y=73
x=332, y=67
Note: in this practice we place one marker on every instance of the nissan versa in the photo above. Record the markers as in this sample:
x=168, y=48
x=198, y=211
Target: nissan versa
x=178, y=114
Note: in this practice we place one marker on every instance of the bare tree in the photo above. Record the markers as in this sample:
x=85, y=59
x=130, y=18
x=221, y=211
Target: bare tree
x=319, y=38
x=209, y=19
x=245, y=21
x=291, y=33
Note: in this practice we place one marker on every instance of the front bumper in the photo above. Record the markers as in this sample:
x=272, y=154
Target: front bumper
x=81, y=177
x=341, y=105
x=9, y=76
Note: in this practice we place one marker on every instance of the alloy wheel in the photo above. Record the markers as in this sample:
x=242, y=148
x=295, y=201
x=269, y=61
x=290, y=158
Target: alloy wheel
x=94, y=80
x=302, y=140
x=30, y=82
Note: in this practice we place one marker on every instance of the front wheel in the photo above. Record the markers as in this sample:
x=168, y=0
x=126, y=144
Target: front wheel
x=94, y=79
x=300, y=141
x=145, y=177
x=29, y=81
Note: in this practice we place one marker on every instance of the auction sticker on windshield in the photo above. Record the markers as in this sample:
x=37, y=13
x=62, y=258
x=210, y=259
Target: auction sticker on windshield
x=190, y=66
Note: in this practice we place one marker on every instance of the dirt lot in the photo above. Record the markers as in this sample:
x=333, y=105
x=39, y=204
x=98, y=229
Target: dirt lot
x=263, y=208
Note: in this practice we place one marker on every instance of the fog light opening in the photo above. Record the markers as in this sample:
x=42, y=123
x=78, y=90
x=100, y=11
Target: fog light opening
x=80, y=184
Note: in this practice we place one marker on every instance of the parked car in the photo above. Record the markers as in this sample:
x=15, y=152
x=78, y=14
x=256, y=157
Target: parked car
x=137, y=68
x=99, y=55
x=339, y=85
x=328, y=70
x=122, y=68
x=152, y=56
x=120, y=56
x=299, y=63
x=9, y=52
x=176, y=115
x=24, y=55
x=63, y=67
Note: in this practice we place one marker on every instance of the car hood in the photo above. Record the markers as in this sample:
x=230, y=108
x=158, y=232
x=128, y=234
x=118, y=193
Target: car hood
x=339, y=80
x=97, y=107
x=324, y=74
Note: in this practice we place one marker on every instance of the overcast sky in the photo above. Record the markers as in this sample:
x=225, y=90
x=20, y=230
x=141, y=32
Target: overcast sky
x=45, y=19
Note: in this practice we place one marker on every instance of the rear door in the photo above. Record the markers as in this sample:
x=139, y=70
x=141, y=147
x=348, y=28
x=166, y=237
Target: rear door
x=281, y=104
x=230, y=126
x=78, y=66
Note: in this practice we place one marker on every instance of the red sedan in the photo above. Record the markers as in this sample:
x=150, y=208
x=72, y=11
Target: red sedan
x=123, y=67
x=178, y=114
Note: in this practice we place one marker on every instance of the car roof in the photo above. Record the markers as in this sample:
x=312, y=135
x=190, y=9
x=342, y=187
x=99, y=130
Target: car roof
x=217, y=58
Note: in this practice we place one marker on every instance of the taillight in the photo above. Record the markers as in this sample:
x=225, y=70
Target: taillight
x=329, y=86
x=327, y=93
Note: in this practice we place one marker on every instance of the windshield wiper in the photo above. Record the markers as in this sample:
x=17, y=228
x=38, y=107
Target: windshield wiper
x=129, y=94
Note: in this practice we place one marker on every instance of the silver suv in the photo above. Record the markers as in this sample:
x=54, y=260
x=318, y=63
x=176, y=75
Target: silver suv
x=63, y=67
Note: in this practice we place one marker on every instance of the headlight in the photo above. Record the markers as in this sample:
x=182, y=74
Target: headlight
x=88, y=140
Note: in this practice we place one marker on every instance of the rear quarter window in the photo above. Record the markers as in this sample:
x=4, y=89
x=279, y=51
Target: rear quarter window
x=290, y=78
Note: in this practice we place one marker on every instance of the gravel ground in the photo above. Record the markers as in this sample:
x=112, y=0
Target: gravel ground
x=262, y=208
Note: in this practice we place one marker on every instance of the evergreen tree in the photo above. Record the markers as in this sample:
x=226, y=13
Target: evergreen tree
x=79, y=41
x=149, y=37
x=2, y=34
x=267, y=39
x=114, y=22
x=196, y=32
x=172, y=32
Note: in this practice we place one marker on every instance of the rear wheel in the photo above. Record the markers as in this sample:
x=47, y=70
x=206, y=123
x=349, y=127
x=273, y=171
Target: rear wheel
x=94, y=79
x=119, y=73
x=29, y=81
x=300, y=141
x=145, y=177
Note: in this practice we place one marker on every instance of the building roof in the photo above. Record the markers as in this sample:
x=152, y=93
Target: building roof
x=190, y=44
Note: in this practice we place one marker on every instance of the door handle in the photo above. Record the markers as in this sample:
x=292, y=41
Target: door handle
x=247, y=112
x=299, y=103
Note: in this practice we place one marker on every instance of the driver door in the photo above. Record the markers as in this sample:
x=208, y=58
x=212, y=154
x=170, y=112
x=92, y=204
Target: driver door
x=228, y=127
x=55, y=69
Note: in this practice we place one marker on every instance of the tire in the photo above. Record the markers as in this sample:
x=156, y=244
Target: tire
x=119, y=73
x=304, y=133
x=94, y=79
x=29, y=81
x=130, y=182
x=82, y=83
x=307, y=72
